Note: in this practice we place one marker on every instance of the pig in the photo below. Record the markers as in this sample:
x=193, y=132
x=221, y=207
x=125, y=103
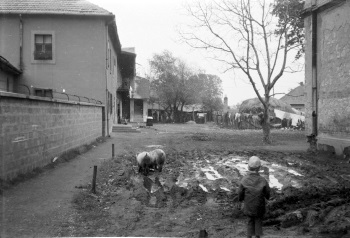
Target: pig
x=157, y=159
x=144, y=162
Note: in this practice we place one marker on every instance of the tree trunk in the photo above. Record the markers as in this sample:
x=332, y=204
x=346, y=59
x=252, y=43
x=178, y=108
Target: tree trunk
x=266, y=123
x=266, y=132
x=182, y=119
x=176, y=114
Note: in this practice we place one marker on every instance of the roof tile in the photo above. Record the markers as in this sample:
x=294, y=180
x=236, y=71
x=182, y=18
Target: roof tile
x=65, y=7
x=295, y=96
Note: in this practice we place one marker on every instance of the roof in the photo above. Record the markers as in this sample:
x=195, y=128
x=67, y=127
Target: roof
x=193, y=108
x=295, y=96
x=59, y=7
x=319, y=5
x=254, y=105
x=6, y=66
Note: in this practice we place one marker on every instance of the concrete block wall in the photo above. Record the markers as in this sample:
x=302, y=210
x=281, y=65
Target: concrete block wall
x=35, y=130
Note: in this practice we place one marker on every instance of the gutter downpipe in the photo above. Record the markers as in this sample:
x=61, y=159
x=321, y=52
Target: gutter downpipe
x=106, y=69
x=314, y=74
x=20, y=42
x=312, y=138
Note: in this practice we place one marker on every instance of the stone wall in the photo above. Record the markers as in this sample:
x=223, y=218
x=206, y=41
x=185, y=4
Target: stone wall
x=35, y=130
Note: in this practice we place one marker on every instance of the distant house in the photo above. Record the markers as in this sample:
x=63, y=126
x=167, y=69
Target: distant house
x=296, y=98
x=62, y=47
x=8, y=75
x=127, y=75
x=327, y=71
x=156, y=111
x=140, y=94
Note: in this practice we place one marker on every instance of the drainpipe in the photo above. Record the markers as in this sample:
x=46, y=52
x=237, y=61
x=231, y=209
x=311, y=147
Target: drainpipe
x=314, y=73
x=20, y=42
x=107, y=101
x=312, y=138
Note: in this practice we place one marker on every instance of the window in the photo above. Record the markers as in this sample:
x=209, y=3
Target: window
x=43, y=47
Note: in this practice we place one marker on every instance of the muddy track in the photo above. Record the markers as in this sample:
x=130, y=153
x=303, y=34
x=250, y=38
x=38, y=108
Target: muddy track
x=197, y=189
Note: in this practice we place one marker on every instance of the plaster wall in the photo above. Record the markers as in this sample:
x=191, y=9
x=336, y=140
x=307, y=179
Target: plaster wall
x=145, y=110
x=79, y=66
x=113, y=76
x=9, y=39
x=333, y=76
x=334, y=71
x=308, y=75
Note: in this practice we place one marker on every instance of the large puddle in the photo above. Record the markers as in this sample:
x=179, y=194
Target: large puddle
x=224, y=173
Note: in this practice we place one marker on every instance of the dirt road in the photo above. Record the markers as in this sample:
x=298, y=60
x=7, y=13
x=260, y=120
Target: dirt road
x=36, y=207
x=195, y=191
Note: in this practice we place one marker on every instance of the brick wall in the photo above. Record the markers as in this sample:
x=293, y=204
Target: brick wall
x=35, y=130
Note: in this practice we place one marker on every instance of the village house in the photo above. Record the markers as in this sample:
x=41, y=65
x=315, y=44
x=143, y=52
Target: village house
x=133, y=91
x=8, y=75
x=296, y=98
x=133, y=94
x=327, y=73
x=57, y=48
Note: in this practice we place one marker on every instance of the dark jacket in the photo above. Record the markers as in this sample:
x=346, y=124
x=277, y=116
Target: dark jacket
x=253, y=190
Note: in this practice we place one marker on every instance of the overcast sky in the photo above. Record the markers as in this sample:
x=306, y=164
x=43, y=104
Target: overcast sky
x=151, y=27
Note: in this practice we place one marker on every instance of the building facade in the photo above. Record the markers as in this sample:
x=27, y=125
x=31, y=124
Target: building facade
x=63, y=48
x=9, y=75
x=327, y=73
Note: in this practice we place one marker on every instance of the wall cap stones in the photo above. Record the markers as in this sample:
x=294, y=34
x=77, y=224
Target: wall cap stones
x=37, y=98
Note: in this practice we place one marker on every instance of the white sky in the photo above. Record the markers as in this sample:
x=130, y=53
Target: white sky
x=151, y=27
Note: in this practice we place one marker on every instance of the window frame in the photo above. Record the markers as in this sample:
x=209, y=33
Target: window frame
x=53, y=42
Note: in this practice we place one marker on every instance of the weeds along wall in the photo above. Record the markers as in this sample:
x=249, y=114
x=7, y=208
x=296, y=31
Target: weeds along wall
x=35, y=130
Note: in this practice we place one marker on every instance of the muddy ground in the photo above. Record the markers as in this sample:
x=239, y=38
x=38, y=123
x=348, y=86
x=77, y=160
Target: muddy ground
x=197, y=188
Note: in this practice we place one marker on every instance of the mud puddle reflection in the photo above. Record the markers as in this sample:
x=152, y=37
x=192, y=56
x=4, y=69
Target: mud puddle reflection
x=224, y=173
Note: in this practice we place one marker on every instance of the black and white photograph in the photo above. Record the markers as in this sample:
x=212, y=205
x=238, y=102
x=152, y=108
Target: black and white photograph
x=175, y=118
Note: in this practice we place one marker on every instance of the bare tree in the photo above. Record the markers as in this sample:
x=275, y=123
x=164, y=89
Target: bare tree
x=242, y=34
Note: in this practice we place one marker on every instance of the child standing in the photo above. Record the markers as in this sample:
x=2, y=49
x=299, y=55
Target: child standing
x=253, y=190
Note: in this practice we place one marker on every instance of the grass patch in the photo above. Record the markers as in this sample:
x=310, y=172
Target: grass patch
x=85, y=201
